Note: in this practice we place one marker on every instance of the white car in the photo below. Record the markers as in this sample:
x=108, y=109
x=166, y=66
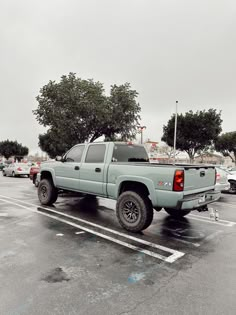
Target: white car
x=222, y=183
x=16, y=169
x=232, y=181
x=232, y=170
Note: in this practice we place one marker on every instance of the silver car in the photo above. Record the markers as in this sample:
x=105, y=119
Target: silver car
x=222, y=183
x=16, y=169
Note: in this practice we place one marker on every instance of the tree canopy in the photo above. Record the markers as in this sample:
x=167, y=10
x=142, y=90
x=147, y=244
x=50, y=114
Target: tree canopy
x=226, y=144
x=13, y=148
x=76, y=110
x=195, y=131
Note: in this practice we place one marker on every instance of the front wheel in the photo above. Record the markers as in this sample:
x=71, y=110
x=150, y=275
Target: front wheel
x=47, y=192
x=177, y=213
x=13, y=174
x=134, y=211
x=3, y=173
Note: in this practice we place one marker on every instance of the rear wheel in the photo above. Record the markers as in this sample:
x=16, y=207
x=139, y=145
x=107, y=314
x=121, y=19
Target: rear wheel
x=177, y=213
x=3, y=173
x=232, y=189
x=47, y=192
x=134, y=211
x=13, y=174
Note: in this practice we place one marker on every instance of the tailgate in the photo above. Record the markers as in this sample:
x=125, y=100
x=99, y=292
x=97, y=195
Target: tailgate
x=199, y=177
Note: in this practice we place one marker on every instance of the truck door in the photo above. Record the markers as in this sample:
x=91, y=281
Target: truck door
x=68, y=172
x=92, y=172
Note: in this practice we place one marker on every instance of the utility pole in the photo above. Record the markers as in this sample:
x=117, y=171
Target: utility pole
x=176, y=115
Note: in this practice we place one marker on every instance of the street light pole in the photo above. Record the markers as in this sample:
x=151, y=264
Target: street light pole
x=176, y=115
x=141, y=130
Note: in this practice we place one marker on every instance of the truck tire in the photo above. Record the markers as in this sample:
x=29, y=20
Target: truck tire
x=177, y=213
x=134, y=211
x=47, y=192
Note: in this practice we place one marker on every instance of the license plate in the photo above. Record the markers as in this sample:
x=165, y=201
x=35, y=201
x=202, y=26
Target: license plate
x=202, y=199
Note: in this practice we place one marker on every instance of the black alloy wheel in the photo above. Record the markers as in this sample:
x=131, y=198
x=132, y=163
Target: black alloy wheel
x=47, y=192
x=134, y=211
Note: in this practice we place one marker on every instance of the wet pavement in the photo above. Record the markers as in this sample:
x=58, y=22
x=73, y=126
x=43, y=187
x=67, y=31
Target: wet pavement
x=74, y=258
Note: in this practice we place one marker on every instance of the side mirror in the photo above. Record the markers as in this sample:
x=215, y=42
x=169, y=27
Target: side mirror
x=58, y=158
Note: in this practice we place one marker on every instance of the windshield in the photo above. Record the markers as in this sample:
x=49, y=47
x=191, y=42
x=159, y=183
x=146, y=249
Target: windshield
x=129, y=153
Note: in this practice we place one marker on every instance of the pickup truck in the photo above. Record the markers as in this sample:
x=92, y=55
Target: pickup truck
x=121, y=171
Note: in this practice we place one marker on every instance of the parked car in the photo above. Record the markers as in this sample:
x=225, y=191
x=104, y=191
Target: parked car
x=232, y=170
x=222, y=183
x=16, y=169
x=2, y=165
x=232, y=182
x=34, y=170
x=122, y=171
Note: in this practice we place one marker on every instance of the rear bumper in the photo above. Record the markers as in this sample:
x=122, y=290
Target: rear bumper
x=21, y=173
x=198, y=201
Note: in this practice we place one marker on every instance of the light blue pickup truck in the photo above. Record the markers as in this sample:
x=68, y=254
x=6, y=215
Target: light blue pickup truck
x=122, y=171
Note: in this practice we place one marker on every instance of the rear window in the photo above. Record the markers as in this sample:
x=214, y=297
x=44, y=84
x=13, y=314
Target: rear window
x=129, y=153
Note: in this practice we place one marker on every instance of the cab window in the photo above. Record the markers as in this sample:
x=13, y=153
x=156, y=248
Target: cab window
x=75, y=154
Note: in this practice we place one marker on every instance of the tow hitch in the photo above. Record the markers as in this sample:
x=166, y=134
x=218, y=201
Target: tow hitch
x=214, y=214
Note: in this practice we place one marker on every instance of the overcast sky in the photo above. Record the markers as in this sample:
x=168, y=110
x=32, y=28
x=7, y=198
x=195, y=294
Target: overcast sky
x=168, y=50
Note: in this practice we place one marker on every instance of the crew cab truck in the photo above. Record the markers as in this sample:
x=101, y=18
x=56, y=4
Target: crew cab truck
x=121, y=171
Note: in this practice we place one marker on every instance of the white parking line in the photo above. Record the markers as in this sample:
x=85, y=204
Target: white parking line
x=226, y=203
x=100, y=227
x=173, y=257
x=208, y=220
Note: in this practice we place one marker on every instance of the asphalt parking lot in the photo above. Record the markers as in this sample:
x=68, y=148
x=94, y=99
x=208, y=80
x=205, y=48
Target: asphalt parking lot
x=74, y=258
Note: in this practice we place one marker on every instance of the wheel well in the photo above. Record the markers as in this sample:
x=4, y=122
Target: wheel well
x=46, y=175
x=134, y=186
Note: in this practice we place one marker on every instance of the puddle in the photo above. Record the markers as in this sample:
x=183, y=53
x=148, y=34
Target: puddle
x=56, y=275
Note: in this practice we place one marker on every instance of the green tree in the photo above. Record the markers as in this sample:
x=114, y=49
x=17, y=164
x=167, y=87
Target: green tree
x=195, y=131
x=226, y=144
x=13, y=148
x=51, y=142
x=76, y=110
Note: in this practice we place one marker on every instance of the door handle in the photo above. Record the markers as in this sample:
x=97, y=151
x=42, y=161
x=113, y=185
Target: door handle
x=76, y=168
x=97, y=169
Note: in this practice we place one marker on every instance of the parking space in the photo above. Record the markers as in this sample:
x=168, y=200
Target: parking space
x=97, y=267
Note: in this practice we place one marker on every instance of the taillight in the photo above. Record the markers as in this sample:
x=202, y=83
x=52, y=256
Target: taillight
x=19, y=169
x=217, y=176
x=178, y=180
